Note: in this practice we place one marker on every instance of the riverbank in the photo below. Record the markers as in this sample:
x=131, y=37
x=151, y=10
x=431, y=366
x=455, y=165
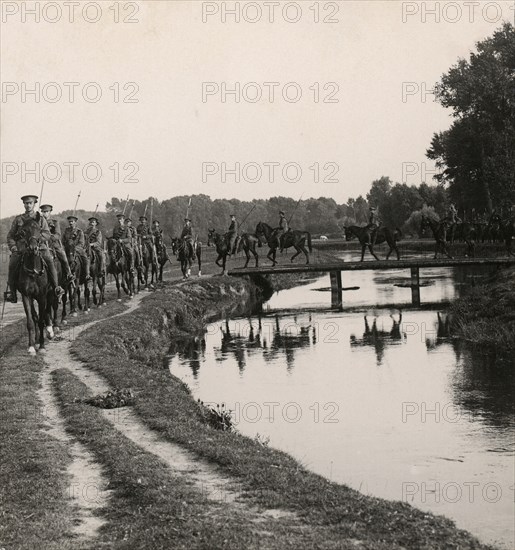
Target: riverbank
x=485, y=315
x=131, y=353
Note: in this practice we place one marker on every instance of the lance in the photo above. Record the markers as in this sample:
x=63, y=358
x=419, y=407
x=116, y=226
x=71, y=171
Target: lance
x=126, y=203
x=188, y=209
x=248, y=214
x=145, y=211
x=94, y=213
x=151, y=209
x=76, y=203
x=294, y=210
x=41, y=191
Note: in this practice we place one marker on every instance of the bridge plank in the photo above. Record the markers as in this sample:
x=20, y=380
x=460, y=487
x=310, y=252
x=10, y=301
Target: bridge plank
x=372, y=265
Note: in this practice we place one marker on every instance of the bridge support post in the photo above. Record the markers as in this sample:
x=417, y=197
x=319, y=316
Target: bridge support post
x=336, y=289
x=415, y=286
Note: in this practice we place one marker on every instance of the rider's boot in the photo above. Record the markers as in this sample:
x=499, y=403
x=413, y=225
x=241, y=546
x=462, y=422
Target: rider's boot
x=10, y=295
x=88, y=268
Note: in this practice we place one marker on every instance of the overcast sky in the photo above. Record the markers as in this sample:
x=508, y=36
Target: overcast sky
x=170, y=133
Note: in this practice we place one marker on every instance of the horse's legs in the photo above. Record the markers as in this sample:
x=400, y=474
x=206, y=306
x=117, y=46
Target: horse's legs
x=199, y=260
x=117, y=281
x=363, y=247
x=256, y=257
x=42, y=318
x=247, y=255
x=27, y=306
x=371, y=248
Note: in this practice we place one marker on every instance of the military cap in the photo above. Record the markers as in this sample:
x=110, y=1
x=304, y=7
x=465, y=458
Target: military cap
x=35, y=197
x=155, y=221
x=232, y=216
x=69, y=218
x=93, y=219
x=187, y=220
x=120, y=215
x=281, y=213
x=45, y=207
x=142, y=217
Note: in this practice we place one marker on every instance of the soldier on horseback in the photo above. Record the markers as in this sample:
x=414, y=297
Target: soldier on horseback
x=123, y=235
x=55, y=240
x=283, y=228
x=232, y=235
x=95, y=242
x=17, y=244
x=187, y=237
x=374, y=221
x=74, y=240
x=134, y=242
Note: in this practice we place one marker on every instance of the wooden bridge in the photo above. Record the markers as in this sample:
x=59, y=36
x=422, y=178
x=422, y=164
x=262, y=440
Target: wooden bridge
x=335, y=271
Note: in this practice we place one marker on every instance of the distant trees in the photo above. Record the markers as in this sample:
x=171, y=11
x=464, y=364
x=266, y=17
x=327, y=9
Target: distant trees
x=477, y=153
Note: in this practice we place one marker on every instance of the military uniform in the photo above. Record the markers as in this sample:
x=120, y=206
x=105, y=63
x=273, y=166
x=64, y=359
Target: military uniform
x=134, y=243
x=124, y=235
x=74, y=241
x=232, y=235
x=95, y=242
x=283, y=228
x=187, y=237
x=17, y=245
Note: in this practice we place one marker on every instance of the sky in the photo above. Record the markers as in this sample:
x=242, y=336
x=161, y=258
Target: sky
x=128, y=98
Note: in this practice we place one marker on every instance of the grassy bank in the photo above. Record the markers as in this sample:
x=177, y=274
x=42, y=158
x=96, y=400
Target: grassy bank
x=131, y=353
x=486, y=315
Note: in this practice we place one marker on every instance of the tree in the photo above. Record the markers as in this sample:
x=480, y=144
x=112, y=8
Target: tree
x=477, y=153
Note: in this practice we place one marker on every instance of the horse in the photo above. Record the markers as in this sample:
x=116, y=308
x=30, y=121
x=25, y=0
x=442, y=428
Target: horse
x=160, y=259
x=294, y=238
x=33, y=283
x=98, y=280
x=180, y=250
x=248, y=243
x=439, y=230
x=368, y=237
x=147, y=260
x=78, y=269
x=63, y=283
x=118, y=266
x=222, y=247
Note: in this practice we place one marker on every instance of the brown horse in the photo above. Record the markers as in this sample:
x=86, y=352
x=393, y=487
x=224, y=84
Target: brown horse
x=33, y=284
x=248, y=243
x=182, y=252
x=368, y=237
x=98, y=280
x=294, y=238
x=439, y=230
x=118, y=266
x=222, y=247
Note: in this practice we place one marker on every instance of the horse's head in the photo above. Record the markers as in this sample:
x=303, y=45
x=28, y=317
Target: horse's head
x=347, y=233
x=30, y=234
x=211, y=237
x=175, y=245
x=114, y=249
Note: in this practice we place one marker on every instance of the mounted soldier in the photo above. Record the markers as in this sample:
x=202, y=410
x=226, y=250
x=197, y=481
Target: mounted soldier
x=95, y=243
x=16, y=245
x=75, y=242
x=232, y=235
x=122, y=234
x=452, y=214
x=284, y=227
x=374, y=221
x=54, y=241
x=134, y=241
x=187, y=237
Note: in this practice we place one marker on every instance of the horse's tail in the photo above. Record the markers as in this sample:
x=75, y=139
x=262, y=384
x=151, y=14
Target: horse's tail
x=309, y=241
x=397, y=234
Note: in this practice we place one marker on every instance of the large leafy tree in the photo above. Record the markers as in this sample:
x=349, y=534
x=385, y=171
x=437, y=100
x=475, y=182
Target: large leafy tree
x=477, y=154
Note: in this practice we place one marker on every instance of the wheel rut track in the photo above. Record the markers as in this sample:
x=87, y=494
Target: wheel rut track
x=85, y=472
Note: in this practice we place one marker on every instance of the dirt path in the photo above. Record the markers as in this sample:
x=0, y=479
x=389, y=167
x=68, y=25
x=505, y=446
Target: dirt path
x=85, y=472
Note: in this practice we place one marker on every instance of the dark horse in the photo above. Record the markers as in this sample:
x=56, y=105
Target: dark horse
x=182, y=252
x=147, y=260
x=33, y=284
x=222, y=247
x=78, y=269
x=294, y=238
x=439, y=230
x=368, y=237
x=248, y=243
x=98, y=280
x=118, y=266
x=160, y=259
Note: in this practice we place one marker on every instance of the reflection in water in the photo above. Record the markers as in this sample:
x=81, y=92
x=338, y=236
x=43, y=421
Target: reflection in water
x=273, y=341
x=379, y=338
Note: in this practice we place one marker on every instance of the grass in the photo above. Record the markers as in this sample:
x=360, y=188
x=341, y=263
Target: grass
x=137, y=347
x=486, y=314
